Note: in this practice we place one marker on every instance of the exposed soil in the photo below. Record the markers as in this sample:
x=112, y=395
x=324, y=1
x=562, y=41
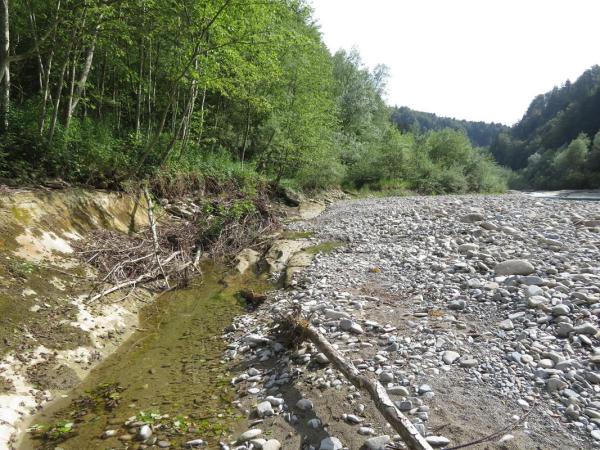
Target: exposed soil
x=50, y=374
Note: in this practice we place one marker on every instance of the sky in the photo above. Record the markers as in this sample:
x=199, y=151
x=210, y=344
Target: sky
x=469, y=59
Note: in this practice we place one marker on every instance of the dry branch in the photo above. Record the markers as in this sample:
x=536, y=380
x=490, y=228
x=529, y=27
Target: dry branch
x=144, y=278
x=399, y=422
x=152, y=223
x=170, y=248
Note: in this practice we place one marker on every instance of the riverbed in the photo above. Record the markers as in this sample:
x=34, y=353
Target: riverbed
x=169, y=373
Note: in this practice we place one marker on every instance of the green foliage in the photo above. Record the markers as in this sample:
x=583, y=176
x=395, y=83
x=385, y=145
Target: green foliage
x=436, y=163
x=223, y=215
x=325, y=247
x=148, y=417
x=481, y=134
x=56, y=432
x=212, y=96
x=320, y=174
x=21, y=268
x=550, y=145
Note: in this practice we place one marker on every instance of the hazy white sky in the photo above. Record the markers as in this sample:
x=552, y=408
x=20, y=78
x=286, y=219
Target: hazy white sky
x=469, y=59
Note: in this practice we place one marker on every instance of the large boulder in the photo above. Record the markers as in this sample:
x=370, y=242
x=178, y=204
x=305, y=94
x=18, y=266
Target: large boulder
x=280, y=253
x=297, y=263
x=246, y=259
x=290, y=196
x=514, y=267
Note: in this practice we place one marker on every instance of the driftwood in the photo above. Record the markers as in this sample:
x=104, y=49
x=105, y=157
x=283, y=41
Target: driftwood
x=143, y=278
x=254, y=298
x=152, y=223
x=399, y=422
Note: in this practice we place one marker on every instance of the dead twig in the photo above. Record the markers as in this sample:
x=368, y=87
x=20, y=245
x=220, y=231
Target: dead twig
x=152, y=223
x=495, y=434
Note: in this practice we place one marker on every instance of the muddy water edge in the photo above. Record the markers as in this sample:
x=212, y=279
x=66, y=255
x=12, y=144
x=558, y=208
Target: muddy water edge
x=169, y=374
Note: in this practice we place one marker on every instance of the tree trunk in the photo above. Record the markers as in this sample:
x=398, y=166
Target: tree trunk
x=4, y=65
x=246, y=133
x=188, y=116
x=177, y=133
x=78, y=88
x=59, y=89
x=33, y=23
x=67, y=112
x=138, y=112
x=45, y=93
x=201, y=132
x=152, y=143
x=102, y=84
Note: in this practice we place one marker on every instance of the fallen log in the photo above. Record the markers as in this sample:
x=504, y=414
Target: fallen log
x=399, y=422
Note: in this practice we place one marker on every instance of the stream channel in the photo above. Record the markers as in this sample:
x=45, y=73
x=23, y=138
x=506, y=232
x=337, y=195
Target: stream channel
x=171, y=366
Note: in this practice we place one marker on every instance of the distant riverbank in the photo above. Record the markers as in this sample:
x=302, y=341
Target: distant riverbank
x=592, y=194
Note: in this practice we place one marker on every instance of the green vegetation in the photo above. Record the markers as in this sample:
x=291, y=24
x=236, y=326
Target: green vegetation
x=325, y=247
x=557, y=142
x=20, y=267
x=190, y=92
x=287, y=234
x=481, y=134
x=55, y=432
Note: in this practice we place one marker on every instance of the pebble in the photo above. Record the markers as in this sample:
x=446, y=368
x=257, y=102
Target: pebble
x=264, y=409
x=144, y=433
x=271, y=444
x=377, y=443
x=468, y=362
x=331, y=443
x=505, y=438
x=250, y=434
x=504, y=291
x=561, y=310
x=449, y=356
x=437, y=441
x=386, y=377
x=304, y=404
x=424, y=388
x=514, y=267
x=506, y=325
x=321, y=358
x=398, y=390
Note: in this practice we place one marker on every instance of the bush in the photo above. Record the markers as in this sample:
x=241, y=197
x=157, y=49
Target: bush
x=439, y=162
x=320, y=175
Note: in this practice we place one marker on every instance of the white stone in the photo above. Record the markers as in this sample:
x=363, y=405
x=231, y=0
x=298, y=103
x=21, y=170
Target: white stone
x=331, y=443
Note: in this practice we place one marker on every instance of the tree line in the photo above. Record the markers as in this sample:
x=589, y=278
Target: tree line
x=481, y=134
x=557, y=142
x=102, y=91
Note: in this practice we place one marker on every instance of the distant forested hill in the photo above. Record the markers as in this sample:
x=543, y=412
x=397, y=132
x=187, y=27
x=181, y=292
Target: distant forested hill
x=556, y=144
x=481, y=134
